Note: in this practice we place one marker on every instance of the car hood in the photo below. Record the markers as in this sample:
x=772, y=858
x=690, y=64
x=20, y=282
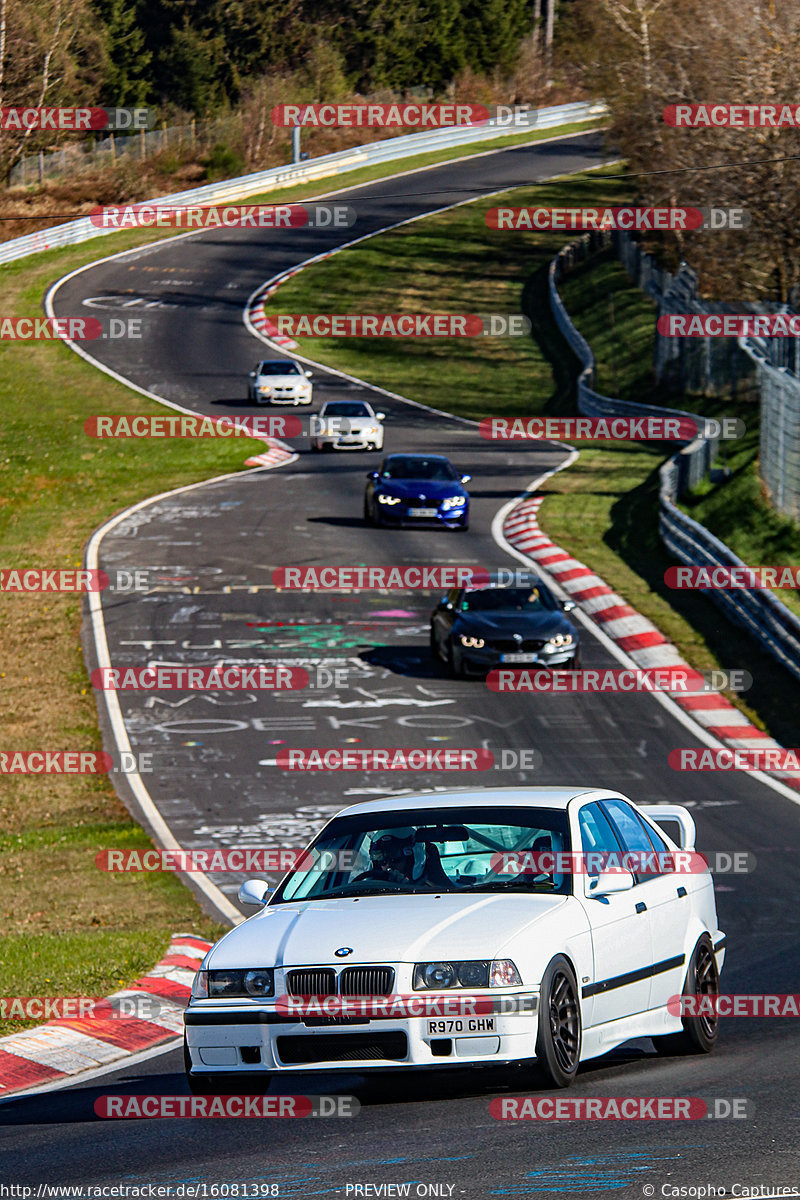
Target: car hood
x=431, y=489
x=381, y=929
x=341, y=424
x=263, y=380
x=537, y=624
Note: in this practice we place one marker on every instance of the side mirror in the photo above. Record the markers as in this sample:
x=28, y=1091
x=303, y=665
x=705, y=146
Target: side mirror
x=607, y=883
x=567, y=605
x=373, y=474
x=466, y=478
x=308, y=375
x=380, y=416
x=252, y=374
x=254, y=891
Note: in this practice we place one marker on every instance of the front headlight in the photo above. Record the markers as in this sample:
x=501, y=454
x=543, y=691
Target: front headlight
x=472, y=643
x=265, y=389
x=453, y=502
x=253, y=983
x=387, y=499
x=556, y=643
x=373, y=429
x=469, y=973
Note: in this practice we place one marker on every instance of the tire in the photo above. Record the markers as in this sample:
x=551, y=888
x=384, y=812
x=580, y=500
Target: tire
x=454, y=668
x=699, y=1034
x=435, y=650
x=558, y=1044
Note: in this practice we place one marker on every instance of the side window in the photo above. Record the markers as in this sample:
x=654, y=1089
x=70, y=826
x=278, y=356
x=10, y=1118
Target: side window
x=597, y=833
x=636, y=836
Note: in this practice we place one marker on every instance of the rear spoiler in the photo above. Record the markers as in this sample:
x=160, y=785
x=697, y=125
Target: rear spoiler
x=677, y=813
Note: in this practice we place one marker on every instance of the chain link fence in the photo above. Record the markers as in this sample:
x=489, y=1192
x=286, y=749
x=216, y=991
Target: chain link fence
x=775, y=627
x=94, y=154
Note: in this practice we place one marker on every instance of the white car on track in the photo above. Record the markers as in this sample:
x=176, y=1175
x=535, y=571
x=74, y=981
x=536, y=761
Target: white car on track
x=347, y=425
x=279, y=381
x=411, y=909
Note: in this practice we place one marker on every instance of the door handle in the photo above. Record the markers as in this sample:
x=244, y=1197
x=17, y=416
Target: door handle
x=641, y=907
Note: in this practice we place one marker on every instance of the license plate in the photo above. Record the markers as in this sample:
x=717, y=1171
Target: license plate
x=523, y=658
x=451, y=1025
x=423, y=512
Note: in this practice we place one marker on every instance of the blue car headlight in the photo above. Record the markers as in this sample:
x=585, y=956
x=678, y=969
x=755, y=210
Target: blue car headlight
x=450, y=502
x=382, y=499
x=557, y=642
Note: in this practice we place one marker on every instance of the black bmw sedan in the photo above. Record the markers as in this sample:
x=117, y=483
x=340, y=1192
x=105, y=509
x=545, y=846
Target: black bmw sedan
x=486, y=625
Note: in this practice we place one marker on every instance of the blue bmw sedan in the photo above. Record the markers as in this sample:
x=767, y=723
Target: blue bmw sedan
x=412, y=489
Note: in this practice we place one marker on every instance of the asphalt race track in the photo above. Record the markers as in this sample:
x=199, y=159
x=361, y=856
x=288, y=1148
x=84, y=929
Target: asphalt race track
x=212, y=550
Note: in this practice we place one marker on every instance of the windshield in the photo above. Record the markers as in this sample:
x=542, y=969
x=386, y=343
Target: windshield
x=279, y=368
x=345, y=408
x=436, y=850
x=527, y=599
x=418, y=468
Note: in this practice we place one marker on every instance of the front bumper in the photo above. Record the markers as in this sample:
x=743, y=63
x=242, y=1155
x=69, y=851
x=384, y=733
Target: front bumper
x=399, y=514
x=487, y=659
x=283, y=398
x=242, y=1039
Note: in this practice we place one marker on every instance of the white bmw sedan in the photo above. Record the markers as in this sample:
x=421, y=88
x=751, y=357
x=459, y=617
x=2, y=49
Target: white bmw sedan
x=279, y=381
x=468, y=928
x=347, y=425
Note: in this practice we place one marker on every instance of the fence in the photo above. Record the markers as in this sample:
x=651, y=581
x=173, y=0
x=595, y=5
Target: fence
x=91, y=154
x=386, y=150
x=757, y=611
x=779, y=433
x=695, y=460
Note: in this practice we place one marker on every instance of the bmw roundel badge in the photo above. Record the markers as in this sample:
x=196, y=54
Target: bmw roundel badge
x=343, y=951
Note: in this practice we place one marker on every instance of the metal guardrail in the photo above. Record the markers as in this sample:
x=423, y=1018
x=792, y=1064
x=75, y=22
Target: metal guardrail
x=386, y=150
x=757, y=610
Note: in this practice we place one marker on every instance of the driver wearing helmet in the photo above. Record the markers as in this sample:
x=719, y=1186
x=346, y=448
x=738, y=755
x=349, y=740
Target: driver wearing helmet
x=393, y=857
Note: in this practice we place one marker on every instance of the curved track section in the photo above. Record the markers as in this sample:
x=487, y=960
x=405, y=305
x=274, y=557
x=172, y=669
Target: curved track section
x=217, y=783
